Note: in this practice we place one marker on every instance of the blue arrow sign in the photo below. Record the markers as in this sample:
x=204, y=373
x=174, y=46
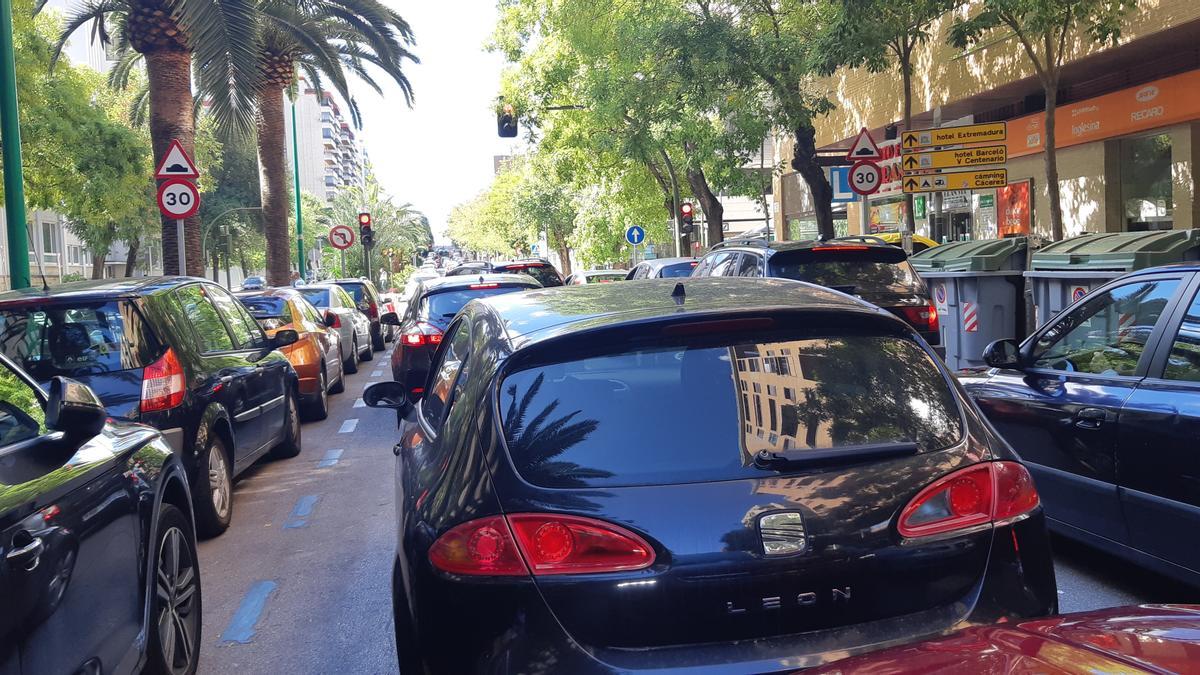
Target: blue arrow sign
x=635, y=234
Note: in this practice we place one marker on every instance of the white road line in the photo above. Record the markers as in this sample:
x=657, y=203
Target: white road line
x=358, y=403
x=348, y=426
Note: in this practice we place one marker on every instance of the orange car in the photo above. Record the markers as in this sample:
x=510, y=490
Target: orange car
x=316, y=356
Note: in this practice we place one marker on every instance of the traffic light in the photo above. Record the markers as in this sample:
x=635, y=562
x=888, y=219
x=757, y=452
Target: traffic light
x=365, y=230
x=506, y=122
x=686, y=218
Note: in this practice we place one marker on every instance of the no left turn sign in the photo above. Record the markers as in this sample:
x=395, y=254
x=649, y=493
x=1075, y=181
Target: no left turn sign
x=865, y=177
x=178, y=198
x=341, y=237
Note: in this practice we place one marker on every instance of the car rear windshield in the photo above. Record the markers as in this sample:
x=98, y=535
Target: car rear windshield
x=683, y=269
x=700, y=413
x=263, y=307
x=319, y=297
x=545, y=274
x=875, y=270
x=356, y=291
x=605, y=278
x=76, y=339
x=446, y=304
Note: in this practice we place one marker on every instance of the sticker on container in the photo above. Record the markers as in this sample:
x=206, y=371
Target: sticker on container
x=970, y=317
x=939, y=293
x=1077, y=293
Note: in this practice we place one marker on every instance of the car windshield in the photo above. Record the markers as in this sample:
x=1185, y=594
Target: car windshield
x=76, y=339
x=545, y=274
x=851, y=272
x=683, y=269
x=319, y=297
x=356, y=291
x=446, y=304
x=715, y=406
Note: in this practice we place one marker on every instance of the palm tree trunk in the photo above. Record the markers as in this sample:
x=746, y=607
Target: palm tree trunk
x=273, y=178
x=169, y=72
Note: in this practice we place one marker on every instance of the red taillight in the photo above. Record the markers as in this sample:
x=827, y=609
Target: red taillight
x=541, y=543
x=983, y=493
x=162, y=384
x=337, y=320
x=373, y=310
x=921, y=318
x=421, y=335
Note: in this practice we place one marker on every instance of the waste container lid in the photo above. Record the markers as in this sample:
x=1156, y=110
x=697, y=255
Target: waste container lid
x=1119, y=251
x=984, y=255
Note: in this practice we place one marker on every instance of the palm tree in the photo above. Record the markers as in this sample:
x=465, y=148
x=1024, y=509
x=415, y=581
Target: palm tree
x=220, y=35
x=326, y=40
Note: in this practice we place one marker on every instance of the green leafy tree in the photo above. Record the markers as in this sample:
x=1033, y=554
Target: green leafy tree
x=397, y=226
x=1046, y=31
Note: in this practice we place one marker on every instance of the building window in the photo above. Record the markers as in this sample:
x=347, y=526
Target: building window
x=789, y=395
x=1146, y=183
x=49, y=237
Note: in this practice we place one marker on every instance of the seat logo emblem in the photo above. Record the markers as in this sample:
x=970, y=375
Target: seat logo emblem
x=782, y=533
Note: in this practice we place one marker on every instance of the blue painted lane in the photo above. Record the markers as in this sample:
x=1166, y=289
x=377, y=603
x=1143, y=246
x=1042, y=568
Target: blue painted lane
x=300, y=514
x=241, y=626
x=331, y=457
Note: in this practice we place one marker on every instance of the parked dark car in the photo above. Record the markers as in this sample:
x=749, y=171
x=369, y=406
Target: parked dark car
x=661, y=268
x=470, y=267
x=594, y=277
x=177, y=353
x=430, y=310
x=1103, y=404
x=865, y=267
x=1143, y=639
x=538, y=268
x=98, y=566
x=366, y=297
x=658, y=474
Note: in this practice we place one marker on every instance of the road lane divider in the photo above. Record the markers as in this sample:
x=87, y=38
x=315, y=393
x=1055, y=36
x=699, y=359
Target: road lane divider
x=301, y=512
x=241, y=627
x=348, y=426
x=331, y=457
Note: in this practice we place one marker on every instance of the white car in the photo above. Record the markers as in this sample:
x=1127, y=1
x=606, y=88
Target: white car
x=353, y=327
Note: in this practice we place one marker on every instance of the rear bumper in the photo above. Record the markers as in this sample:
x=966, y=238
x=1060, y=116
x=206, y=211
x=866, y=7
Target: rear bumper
x=469, y=632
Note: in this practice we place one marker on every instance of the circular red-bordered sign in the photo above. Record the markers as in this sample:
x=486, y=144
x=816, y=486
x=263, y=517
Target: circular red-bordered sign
x=341, y=237
x=865, y=177
x=178, y=198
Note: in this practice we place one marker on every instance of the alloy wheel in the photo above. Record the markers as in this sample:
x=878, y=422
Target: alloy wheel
x=218, y=481
x=176, y=591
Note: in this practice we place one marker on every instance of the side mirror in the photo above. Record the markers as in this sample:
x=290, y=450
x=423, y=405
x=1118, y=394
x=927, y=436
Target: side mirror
x=331, y=320
x=1004, y=353
x=74, y=409
x=390, y=319
x=387, y=395
x=284, y=337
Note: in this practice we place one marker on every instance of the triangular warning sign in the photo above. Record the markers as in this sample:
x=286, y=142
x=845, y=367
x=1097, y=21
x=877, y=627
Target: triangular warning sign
x=864, y=147
x=176, y=163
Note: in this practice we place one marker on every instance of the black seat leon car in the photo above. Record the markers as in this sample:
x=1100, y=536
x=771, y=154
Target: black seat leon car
x=177, y=353
x=731, y=474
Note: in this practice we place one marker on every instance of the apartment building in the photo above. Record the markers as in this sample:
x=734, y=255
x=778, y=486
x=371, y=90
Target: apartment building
x=331, y=153
x=1128, y=132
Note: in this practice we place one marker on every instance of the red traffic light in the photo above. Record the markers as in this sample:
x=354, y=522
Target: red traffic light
x=686, y=209
x=364, y=219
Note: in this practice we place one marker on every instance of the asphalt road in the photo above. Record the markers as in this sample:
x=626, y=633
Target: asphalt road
x=300, y=582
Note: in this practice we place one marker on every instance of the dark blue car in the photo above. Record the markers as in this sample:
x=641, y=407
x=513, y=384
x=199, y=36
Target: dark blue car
x=1103, y=405
x=735, y=474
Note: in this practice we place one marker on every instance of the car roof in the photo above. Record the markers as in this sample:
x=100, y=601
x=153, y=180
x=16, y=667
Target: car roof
x=1189, y=266
x=523, y=261
x=528, y=317
x=799, y=245
x=589, y=273
x=466, y=280
x=99, y=288
x=286, y=293
x=657, y=263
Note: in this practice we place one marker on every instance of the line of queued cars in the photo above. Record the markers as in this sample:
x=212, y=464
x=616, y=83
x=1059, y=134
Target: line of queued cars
x=127, y=409
x=751, y=462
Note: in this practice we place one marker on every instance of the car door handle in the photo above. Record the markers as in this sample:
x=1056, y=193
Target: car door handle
x=26, y=557
x=1090, y=418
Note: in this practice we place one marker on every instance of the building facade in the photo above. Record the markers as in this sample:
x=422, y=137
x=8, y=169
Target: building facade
x=331, y=153
x=1127, y=129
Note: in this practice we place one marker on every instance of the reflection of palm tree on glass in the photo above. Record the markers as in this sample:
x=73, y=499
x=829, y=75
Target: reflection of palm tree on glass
x=534, y=446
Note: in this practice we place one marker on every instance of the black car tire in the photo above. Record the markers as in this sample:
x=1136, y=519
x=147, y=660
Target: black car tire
x=351, y=364
x=408, y=648
x=177, y=577
x=339, y=386
x=377, y=342
x=368, y=352
x=213, y=465
x=317, y=407
x=290, y=445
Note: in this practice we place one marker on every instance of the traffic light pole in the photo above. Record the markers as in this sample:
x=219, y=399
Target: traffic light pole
x=10, y=137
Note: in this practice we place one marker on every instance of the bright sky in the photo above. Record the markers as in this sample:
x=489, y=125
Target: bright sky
x=439, y=154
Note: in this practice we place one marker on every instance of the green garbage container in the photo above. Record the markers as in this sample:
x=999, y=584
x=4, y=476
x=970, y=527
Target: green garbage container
x=1067, y=270
x=978, y=290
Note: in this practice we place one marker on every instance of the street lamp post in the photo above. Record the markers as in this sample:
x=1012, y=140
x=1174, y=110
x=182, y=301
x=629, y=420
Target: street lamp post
x=299, y=209
x=10, y=137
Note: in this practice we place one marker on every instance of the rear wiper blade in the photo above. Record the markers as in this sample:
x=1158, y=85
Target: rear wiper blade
x=775, y=459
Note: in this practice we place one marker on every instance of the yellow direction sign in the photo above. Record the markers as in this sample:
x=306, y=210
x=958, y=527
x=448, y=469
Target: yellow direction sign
x=959, y=180
x=954, y=159
x=990, y=132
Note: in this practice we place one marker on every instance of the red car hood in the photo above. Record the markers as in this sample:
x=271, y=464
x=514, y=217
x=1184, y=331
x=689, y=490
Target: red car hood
x=1142, y=639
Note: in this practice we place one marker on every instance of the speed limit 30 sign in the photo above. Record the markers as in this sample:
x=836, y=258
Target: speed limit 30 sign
x=865, y=177
x=178, y=198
